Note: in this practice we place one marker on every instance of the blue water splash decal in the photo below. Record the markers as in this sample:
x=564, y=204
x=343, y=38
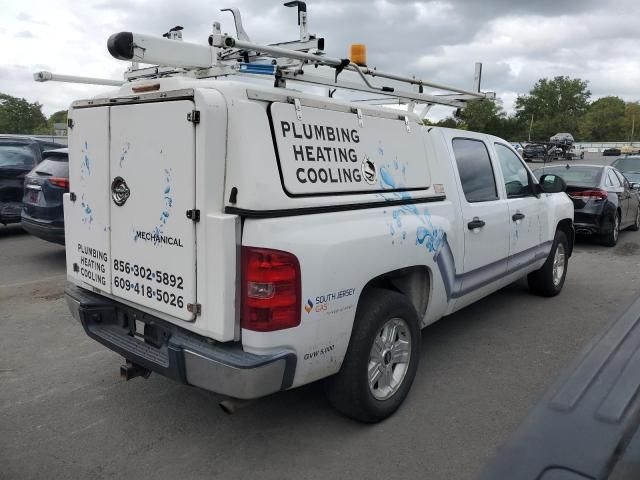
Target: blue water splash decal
x=167, y=198
x=123, y=154
x=386, y=179
x=427, y=234
x=85, y=164
x=87, y=212
x=165, y=212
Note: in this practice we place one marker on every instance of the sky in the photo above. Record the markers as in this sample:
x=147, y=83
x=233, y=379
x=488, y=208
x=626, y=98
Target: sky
x=518, y=41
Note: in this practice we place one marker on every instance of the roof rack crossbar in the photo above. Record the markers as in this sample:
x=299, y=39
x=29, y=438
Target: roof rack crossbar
x=396, y=94
x=228, y=42
x=45, y=76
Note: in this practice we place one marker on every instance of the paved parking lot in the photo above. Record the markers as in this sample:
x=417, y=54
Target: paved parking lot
x=65, y=413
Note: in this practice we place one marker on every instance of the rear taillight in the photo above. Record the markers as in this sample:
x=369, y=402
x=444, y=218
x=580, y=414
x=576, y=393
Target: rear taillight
x=270, y=289
x=595, y=194
x=59, y=182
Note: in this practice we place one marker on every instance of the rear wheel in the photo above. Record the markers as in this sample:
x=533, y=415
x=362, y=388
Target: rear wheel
x=611, y=239
x=381, y=360
x=549, y=279
x=636, y=225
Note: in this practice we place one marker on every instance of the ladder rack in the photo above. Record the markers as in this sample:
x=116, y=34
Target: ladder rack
x=301, y=61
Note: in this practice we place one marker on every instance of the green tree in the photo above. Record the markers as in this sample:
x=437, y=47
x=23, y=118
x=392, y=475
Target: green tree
x=57, y=117
x=514, y=129
x=486, y=116
x=556, y=105
x=631, y=123
x=483, y=116
x=19, y=116
x=449, y=122
x=604, y=120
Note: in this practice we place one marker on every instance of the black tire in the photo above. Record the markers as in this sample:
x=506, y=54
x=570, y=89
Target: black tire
x=611, y=239
x=349, y=391
x=544, y=281
x=636, y=225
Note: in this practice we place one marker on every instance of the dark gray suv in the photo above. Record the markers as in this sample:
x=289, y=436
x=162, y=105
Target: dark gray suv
x=44, y=186
x=18, y=155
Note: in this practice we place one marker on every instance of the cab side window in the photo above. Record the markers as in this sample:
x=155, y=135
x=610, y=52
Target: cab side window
x=476, y=173
x=516, y=177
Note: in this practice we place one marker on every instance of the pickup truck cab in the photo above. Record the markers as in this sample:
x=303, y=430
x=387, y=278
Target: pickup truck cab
x=249, y=239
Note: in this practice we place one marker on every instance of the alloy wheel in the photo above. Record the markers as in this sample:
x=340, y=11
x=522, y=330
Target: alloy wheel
x=389, y=358
x=558, y=264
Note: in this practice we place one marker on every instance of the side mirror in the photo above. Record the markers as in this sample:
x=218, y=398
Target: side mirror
x=550, y=183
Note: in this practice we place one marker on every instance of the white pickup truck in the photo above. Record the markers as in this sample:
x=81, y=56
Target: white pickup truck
x=249, y=239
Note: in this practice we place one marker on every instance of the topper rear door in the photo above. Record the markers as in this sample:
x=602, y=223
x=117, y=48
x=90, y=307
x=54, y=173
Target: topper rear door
x=152, y=181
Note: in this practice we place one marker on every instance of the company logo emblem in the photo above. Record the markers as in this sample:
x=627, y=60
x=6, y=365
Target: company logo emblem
x=309, y=306
x=119, y=191
x=369, y=171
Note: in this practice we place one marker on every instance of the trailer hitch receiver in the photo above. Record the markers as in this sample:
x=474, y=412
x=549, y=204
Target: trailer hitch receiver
x=132, y=370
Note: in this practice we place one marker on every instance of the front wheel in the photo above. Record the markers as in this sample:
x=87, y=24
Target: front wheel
x=382, y=358
x=549, y=279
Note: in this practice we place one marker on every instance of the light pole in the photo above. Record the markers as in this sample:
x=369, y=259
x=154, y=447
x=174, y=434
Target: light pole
x=530, y=127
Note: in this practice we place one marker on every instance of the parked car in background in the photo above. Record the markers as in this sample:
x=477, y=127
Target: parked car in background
x=629, y=150
x=575, y=152
x=604, y=202
x=630, y=168
x=42, y=213
x=18, y=155
x=565, y=139
x=532, y=151
x=518, y=148
x=611, y=152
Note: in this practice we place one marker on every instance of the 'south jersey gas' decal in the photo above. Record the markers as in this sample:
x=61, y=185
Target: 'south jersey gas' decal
x=331, y=303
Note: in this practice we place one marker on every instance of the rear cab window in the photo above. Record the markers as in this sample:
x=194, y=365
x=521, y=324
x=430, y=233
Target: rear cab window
x=54, y=166
x=578, y=176
x=629, y=164
x=16, y=155
x=475, y=170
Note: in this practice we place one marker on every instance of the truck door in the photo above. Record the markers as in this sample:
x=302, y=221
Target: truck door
x=86, y=208
x=526, y=234
x=152, y=187
x=485, y=228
